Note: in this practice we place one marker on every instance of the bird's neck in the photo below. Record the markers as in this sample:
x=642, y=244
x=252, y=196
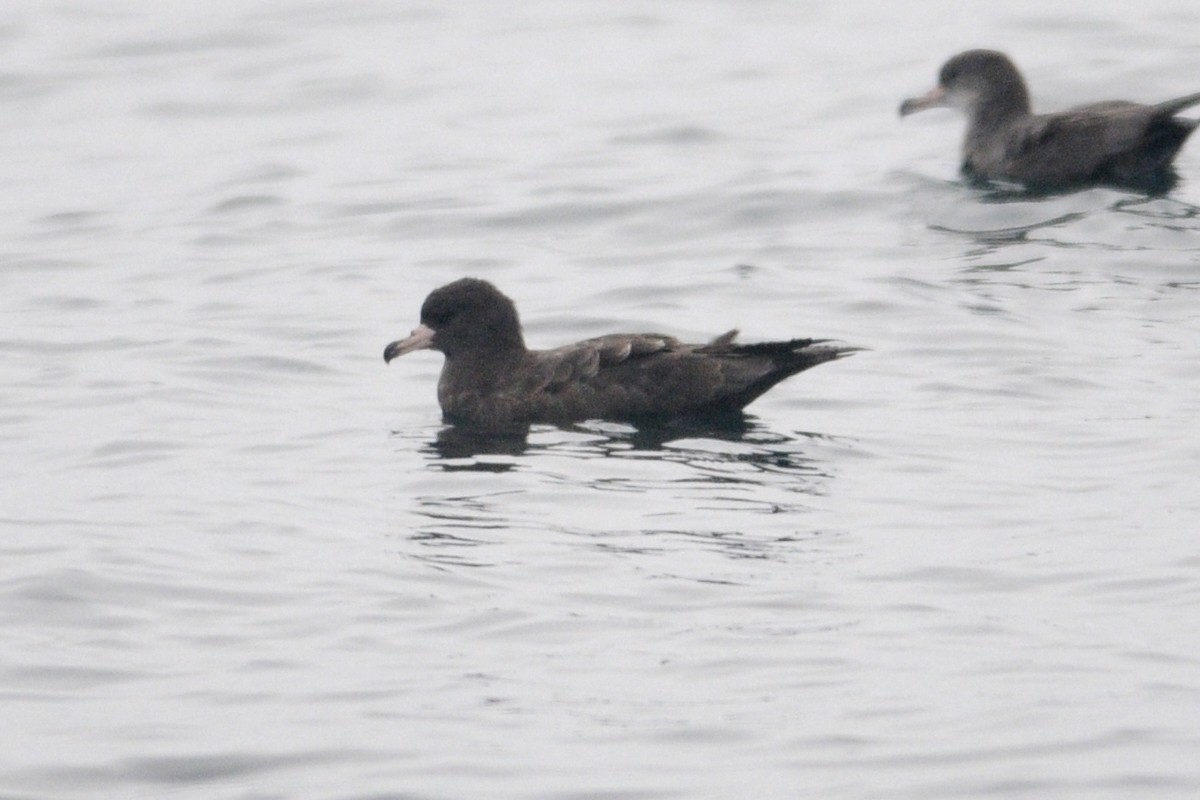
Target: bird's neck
x=992, y=128
x=489, y=365
x=1003, y=107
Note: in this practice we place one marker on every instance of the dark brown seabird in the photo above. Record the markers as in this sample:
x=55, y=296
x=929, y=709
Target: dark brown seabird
x=490, y=379
x=1114, y=143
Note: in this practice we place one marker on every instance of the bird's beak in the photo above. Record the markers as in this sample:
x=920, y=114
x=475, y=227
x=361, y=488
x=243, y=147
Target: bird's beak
x=934, y=98
x=420, y=339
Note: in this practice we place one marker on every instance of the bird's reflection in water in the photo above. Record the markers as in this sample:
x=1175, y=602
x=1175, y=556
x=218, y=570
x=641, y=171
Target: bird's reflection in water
x=458, y=447
x=727, y=438
x=732, y=484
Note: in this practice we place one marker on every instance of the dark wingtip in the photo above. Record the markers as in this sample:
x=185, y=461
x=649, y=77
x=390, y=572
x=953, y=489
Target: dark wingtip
x=830, y=350
x=1172, y=107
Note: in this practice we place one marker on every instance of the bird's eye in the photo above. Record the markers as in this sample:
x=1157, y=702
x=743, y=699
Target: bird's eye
x=438, y=318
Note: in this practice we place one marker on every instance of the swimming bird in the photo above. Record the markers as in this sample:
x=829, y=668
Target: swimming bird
x=1114, y=143
x=491, y=380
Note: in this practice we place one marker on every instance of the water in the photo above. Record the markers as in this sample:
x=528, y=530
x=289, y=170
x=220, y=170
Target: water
x=243, y=560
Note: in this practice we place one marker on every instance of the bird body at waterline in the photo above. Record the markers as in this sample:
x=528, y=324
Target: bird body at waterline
x=491, y=379
x=1114, y=143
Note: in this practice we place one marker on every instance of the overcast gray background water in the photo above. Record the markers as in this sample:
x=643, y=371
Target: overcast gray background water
x=237, y=560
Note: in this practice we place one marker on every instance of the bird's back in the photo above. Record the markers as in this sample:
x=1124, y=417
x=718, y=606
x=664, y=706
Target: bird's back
x=1116, y=143
x=632, y=376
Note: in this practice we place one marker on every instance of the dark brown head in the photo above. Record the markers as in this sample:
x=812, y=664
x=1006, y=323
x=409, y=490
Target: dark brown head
x=469, y=316
x=977, y=82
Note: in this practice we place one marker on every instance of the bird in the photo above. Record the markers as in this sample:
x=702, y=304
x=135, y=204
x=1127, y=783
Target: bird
x=491, y=380
x=1115, y=143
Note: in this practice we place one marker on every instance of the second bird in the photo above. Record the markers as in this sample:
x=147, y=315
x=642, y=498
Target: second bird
x=1114, y=143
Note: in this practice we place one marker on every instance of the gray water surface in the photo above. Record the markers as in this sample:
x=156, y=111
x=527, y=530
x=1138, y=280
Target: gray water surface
x=244, y=559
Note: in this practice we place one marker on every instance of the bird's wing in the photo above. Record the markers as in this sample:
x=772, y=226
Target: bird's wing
x=585, y=362
x=1075, y=145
